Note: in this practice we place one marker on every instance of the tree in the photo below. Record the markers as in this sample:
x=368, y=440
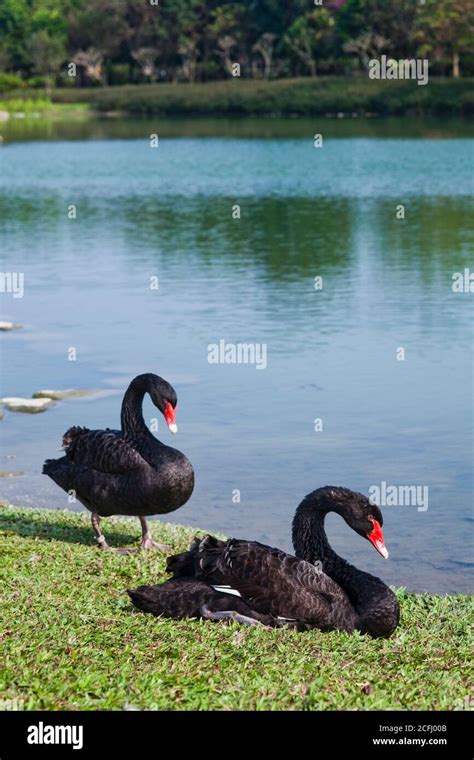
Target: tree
x=188, y=51
x=146, y=57
x=367, y=21
x=96, y=30
x=47, y=54
x=15, y=27
x=446, y=27
x=47, y=43
x=226, y=28
x=92, y=61
x=264, y=46
x=274, y=16
x=367, y=46
x=225, y=44
x=305, y=35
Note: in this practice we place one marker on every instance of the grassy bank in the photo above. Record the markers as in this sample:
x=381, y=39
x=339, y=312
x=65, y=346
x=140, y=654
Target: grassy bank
x=284, y=97
x=70, y=639
x=43, y=107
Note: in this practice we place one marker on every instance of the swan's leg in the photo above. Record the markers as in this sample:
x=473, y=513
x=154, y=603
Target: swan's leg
x=237, y=617
x=100, y=538
x=147, y=541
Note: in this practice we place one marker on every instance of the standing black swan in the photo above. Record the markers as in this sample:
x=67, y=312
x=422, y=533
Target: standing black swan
x=276, y=588
x=128, y=471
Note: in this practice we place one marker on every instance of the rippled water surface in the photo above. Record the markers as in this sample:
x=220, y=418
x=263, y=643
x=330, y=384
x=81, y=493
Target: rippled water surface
x=331, y=353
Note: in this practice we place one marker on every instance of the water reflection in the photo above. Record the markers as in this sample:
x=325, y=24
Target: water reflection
x=331, y=353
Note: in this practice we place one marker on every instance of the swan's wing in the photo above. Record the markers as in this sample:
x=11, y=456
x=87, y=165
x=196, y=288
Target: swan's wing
x=180, y=598
x=188, y=597
x=270, y=580
x=103, y=450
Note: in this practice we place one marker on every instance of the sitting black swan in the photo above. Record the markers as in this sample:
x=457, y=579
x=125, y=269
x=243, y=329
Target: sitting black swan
x=315, y=589
x=128, y=471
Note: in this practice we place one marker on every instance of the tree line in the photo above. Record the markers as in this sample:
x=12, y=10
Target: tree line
x=127, y=41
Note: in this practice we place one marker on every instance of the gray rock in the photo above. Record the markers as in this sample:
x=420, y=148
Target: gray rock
x=28, y=405
x=67, y=393
x=5, y=326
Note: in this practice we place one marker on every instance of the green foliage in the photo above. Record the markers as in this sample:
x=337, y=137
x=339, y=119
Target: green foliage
x=10, y=82
x=26, y=106
x=306, y=34
x=201, y=38
x=305, y=96
x=446, y=26
x=71, y=640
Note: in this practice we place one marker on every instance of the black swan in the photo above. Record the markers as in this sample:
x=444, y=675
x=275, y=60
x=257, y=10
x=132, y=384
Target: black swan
x=127, y=471
x=314, y=589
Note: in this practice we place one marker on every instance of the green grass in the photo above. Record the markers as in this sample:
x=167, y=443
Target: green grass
x=70, y=638
x=283, y=97
x=44, y=107
x=27, y=106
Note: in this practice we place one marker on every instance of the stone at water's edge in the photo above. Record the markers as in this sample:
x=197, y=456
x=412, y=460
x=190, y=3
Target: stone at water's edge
x=29, y=405
x=67, y=393
x=4, y=326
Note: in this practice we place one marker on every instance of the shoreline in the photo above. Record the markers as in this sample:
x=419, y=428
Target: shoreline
x=328, y=97
x=156, y=522
x=61, y=123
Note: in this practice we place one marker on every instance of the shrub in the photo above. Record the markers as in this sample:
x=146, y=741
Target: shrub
x=36, y=83
x=303, y=96
x=9, y=82
x=25, y=105
x=118, y=73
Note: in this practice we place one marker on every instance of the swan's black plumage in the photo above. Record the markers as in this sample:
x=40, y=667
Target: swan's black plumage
x=127, y=471
x=315, y=589
x=187, y=597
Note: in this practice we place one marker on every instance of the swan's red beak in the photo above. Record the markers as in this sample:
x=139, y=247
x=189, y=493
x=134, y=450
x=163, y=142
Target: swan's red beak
x=376, y=538
x=170, y=417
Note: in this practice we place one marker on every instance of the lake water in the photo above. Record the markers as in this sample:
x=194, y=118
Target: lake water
x=306, y=212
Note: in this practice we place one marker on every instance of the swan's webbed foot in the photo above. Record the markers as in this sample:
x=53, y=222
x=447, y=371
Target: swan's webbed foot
x=148, y=542
x=102, y=543
x=230, y=615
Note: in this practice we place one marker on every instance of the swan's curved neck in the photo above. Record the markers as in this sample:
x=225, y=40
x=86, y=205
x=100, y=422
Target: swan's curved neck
x=310, y=541
x=375, y=604
x=131, y=417
x=311, y=544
